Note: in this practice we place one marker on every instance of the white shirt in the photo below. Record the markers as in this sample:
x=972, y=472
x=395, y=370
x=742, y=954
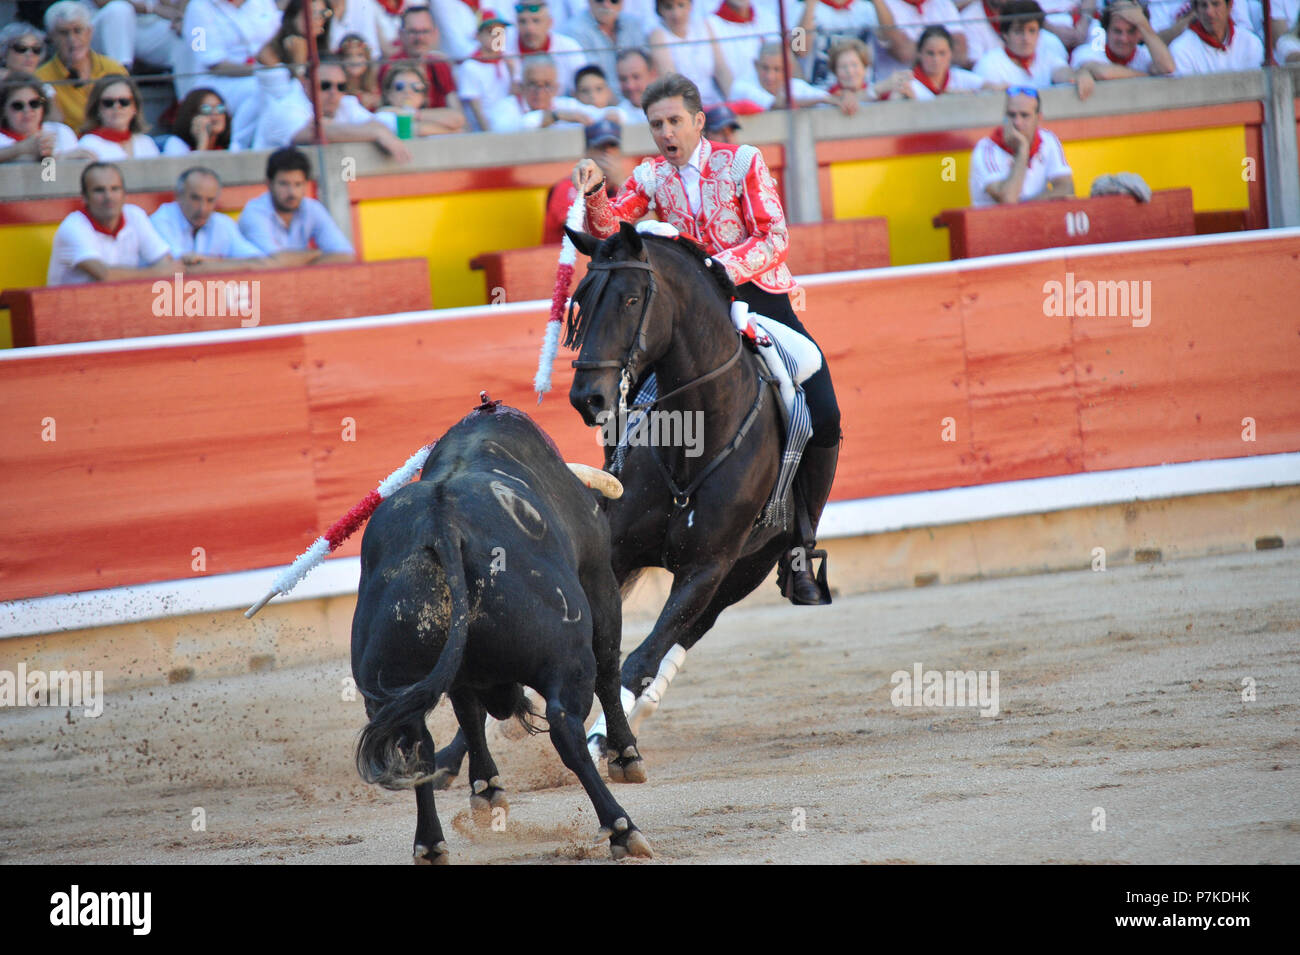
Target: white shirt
x=692, y=57
x=217, y=31
x=1165, y=12
x=457, y=26
x=362, y=18
x=137, y=244
x=751, y=90
x=690, y=175
x=959, y=80
x=219, y=237
x=105, y=150
x=996, y=67
x=564, y=50
x=1193, y=55
x=64, y=137
x=281, y=119
x=1095, y=52
x=990, y=163
x=489, y=83
x=1287, y=45
x=913, y=21
x=982, y=36
x=512, y=115
x=740, y=42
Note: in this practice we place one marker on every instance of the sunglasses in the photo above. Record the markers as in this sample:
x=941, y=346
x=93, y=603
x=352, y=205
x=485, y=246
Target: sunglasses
x=1022, y=91
x=327, y=85
x=24, y=48
x=207, y=109
x=529, y=7
x=612, y=3
x=21, y=105
x=403, y=85
x=110, y=101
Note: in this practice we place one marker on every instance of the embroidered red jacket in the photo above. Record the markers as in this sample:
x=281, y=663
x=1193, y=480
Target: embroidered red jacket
x=741, y=221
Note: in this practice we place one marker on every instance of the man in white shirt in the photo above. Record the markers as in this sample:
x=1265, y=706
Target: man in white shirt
x=1129, y=47
x=767, y=89
x=108, y=240
x=635, y=73
x=1019, y=161
x=980, y=20
x=539, y=107
x=1018, y=61
x=1213, y=43
x=741, y=28
x=896, y=49
x=202, y=238
x=221, y=41
x=534, y=34
x=288, y=120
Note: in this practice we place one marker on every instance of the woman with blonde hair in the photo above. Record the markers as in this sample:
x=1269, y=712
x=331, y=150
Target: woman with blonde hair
x=114, y=128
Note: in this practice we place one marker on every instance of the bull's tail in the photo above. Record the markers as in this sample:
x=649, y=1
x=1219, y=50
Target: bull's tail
x=381, y=756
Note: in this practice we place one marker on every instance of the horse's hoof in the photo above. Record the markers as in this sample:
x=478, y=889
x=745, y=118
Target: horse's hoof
x=634, y=845
x=488, y=796
x=438, y=855
x=442, y=779
x=628, y=768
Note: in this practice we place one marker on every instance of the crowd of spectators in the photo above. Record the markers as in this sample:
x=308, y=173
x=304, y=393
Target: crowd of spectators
x=394, y=70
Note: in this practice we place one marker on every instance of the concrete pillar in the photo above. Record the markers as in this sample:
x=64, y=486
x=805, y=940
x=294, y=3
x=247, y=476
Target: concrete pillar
x=1281, y=158
x=803, y=198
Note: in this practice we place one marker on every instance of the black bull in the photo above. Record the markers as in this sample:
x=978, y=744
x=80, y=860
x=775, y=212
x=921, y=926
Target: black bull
x=490, y=572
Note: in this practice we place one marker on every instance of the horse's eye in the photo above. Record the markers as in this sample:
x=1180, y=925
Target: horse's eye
x=631, y=300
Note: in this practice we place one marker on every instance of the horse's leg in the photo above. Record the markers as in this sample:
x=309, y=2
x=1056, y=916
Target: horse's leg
x=745, y=577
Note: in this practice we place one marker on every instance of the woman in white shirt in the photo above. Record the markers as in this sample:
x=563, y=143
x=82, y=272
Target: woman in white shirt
x=684, y=43
x=201, y=123
x=933, y=75
x=114, y=128
x=24, y=132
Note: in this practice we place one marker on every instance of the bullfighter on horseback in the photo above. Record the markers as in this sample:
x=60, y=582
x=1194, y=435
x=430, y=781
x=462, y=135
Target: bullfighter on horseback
x=723, y=198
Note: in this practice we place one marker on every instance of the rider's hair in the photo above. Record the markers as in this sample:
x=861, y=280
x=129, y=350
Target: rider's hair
x=669, y=85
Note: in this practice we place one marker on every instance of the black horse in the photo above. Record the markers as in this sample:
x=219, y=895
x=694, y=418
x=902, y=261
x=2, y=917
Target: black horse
x=661, y=305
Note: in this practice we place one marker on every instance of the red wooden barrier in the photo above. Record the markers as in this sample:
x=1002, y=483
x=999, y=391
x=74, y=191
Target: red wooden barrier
x=1050, y=224
x=99, y=311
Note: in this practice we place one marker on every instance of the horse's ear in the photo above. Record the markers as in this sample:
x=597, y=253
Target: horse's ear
x=586, y=244
x=631, y=239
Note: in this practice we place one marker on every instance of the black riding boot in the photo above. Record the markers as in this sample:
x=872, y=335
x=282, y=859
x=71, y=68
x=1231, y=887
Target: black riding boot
x=813, y=485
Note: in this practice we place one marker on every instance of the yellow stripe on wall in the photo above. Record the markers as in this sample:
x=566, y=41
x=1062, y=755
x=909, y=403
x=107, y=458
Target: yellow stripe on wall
x=449, y=230
x=912, y=190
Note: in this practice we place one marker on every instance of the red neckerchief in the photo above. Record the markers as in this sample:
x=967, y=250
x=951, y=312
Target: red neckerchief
x=484, y=58
x=1208, y=39
x=1023, y=62
x=1122, y=62
x=16, y=137
x=916, y=3
x=838, y=4
x=391, y=7
x=990, y=14
x=729, y=14
x=112, y=135
x=472, y=4
x=121, y=222
x=1002, y=143
x=919, y=75
x=836, y=90
x=545, y=48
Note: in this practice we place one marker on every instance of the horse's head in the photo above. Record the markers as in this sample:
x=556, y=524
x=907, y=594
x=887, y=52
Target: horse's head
x=621, y=324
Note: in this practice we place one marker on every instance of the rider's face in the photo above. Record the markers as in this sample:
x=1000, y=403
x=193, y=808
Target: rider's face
x=676, y=131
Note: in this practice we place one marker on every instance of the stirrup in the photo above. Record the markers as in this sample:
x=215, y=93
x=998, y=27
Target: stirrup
x=786, y=576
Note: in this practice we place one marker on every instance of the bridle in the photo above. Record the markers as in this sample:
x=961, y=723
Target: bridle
x=636, y=349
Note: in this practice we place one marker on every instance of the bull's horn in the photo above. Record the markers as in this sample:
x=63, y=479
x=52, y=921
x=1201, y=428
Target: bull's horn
x=602, y=481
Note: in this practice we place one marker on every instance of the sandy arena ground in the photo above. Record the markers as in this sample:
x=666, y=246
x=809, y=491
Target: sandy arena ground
x=1119, y=691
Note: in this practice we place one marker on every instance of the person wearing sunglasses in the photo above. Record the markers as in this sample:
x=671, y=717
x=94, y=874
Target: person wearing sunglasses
x=114, y=129
x=25, y=135
x=535, y=34
x=22, y=47
x=74, y=65
x=406, y=93
x=418, y=43
x=201, y=124
x=1020, y=161
x=603, y=29
x=288, y=120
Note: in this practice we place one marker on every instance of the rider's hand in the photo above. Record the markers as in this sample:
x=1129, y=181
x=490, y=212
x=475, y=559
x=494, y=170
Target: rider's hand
x=586, y=174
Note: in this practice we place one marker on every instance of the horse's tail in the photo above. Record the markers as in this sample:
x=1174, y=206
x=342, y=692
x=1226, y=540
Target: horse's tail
x=629, y=583
x=381, y=756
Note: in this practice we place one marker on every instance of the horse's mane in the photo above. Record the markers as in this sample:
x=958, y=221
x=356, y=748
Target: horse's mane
x=589, y=289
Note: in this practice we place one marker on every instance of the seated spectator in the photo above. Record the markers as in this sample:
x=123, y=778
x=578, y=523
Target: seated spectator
x=539, y=106
x=1287, y=50
x=289, y=119
x=22, y=47
x=1171, y=17
x=740, y=28
x=828, y=23
x=135, y=37
x=1017, y=62
x=1285, y=16
x=1212, y=43
x=1128, y=47
x=635, y=73
x=361, y=71
x=768, y=91
x=896, y=48
x=114, y=128
x=605, y=149
x=685, y=43
x=981, y=24
x=288, y=46
x=850, y=63
x=233, y=35
x=418, y=42
x=406, y=94
x=591, y=89
x=24, y=132
x=199, y=237
x=108, y=239
x=602, y=30
x=534, y=34
x=485, y=78
x=934, y=74
x=1073, y=22
x=721, y=124
x=359, y=19
x=201, y=124
x=68, y=23
x=1020, y=161
x=286, y=223
x=457, y=27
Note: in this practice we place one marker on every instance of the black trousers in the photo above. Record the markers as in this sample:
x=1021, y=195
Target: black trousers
x=819, y=391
